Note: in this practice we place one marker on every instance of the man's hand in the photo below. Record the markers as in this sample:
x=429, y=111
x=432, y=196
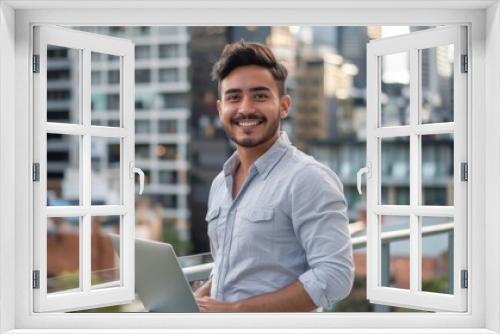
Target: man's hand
x=204, y=290
x=292, y=298
x=207, y=304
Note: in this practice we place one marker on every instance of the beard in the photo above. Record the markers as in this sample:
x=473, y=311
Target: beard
x=248, y=142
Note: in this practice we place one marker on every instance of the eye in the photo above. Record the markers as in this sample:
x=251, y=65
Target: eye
x=260, y=96
x=232, y=97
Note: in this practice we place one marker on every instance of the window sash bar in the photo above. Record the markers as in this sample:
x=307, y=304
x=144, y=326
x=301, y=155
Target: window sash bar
x=418, y=129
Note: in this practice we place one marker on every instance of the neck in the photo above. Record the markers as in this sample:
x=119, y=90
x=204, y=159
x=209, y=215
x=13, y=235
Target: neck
x=248, y=155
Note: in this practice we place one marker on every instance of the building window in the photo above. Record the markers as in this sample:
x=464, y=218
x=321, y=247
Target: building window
x=168, y=51
x=166, y=151
x=169, y=75
x=143, y=76
x=173, y=100
x=142, y=126
x=142, y=52
x=113, y=101
x=113, y=76
x=168, y=126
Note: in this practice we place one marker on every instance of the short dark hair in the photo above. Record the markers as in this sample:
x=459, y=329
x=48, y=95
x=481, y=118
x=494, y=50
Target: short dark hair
x=243, y=54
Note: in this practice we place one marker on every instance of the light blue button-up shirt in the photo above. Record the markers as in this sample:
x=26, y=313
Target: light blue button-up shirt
x=288, y=222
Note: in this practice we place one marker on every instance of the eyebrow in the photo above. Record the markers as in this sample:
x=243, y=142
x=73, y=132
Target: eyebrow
x=253, y=89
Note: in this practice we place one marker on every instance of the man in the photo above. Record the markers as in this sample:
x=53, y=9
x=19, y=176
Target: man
x=276, y=217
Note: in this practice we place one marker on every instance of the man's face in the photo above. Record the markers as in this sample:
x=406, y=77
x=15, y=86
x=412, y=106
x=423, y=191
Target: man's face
x=250, y=108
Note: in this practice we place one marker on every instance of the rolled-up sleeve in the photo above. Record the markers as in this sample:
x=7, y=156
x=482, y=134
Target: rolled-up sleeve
x=319, y=216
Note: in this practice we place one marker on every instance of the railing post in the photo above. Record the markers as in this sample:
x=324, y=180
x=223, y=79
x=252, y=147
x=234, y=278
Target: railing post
x=451, y=274
x=385, y=271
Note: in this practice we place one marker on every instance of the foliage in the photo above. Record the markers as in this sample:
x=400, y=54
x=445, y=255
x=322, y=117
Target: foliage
x=171, y=236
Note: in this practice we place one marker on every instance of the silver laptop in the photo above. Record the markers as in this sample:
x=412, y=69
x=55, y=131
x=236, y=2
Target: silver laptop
x=159, y=280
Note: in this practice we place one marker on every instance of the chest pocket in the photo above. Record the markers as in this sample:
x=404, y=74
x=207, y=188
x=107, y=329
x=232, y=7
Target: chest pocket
x=215, y=220
x=256, y=224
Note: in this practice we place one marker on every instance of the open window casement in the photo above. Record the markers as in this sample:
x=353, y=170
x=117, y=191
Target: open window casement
x=73, y=218
x=417, y=95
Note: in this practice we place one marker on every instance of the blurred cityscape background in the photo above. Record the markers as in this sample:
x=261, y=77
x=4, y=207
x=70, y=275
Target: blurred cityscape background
x=181, y=146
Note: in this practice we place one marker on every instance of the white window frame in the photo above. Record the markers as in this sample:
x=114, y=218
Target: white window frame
x=85, y=296
x=483, y=18
x=411, y=44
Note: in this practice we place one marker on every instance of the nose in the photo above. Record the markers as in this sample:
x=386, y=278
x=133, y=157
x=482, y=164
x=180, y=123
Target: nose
x=246, y=106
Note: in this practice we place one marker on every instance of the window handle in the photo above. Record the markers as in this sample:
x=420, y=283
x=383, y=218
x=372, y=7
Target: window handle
x=365, y=170
x=134, y=170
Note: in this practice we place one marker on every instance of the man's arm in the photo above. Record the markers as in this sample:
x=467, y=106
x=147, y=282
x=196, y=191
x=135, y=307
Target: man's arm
x=292, y=298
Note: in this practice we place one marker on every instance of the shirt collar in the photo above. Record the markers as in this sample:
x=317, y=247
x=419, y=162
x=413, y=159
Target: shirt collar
x=265, y=163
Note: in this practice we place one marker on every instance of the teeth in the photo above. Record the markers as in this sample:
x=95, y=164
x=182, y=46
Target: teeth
x=248, y=123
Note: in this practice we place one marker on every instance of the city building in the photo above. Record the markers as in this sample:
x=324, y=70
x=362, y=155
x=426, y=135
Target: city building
x=162, y=115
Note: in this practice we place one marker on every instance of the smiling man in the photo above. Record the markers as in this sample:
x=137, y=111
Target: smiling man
x=276, y=217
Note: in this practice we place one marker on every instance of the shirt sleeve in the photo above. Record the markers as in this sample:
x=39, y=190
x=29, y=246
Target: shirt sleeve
x=319, y=216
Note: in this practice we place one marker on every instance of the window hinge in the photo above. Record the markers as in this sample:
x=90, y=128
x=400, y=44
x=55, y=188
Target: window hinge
x=36, y=279
x=36, y=172
x=465, y=279
x=464, y=174
x=465, y=63
x=36, y=63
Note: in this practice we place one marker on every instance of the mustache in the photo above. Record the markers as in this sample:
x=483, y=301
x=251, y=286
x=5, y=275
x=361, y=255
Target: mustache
x=249, y=117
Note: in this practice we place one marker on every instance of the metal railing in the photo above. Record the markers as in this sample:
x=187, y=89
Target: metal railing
x=202, y=272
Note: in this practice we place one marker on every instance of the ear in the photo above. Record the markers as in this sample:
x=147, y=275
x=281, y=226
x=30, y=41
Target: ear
x=285, y=103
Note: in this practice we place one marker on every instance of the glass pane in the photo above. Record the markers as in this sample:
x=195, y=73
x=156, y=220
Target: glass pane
x=63, y=170
x=395, y=251
x=395, y=171
x=168, y=75
x=105, y=257
x=437, y=254
x=106, y=171
x=142, y=126
x=168, y=176
x=143, y=76
x=168, y=126
x=142, y=151
x=63, y=253
x=437, y=169
x=63, y=84
x=395, y=89
x=437, y=84
x=106, y=88
x=166, y=151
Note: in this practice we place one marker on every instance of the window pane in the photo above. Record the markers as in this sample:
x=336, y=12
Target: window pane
x=395, y=251
x=168, y=51
x=437, y=254
x=63, y=85
x=168, y=126
x=144, y=101
x=142, y=126
x=106, y=171
x=437, y=84
x=395, y=89
x=166, y=151
x=114, y=77
x=395, y=171
x=96, y=78
x=63, y=253
x=143, y=76
x=63, y=170
x=168, y=177
x=105, y=260
x=142, y=52
x=142, y=151
x=173, y=100
x=437, y=169
x=105, y=99
x=169, y=75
